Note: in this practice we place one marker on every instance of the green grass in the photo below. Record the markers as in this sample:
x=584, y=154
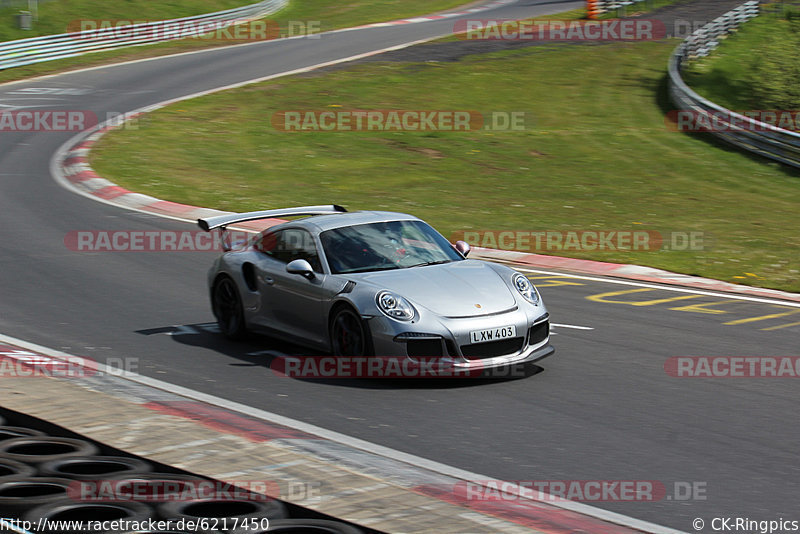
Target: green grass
x=641, y=7
x=598, y=156
x=55, y=16
x=736, y=75
x=332, y=14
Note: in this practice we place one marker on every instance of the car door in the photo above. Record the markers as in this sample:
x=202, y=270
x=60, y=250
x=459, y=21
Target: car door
x=292, y=303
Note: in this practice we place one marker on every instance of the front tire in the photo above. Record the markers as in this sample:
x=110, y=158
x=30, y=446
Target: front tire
x=349, y=335
x=227, y=305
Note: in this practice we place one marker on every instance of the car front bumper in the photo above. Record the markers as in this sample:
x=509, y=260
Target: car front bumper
x=447, y=341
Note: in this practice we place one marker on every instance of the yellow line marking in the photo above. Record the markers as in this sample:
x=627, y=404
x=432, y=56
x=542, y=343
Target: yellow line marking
x=553, y=281
x=602, y=297
x=781, y=326
x=707, y=293
x=703, y=307
x=762, y=317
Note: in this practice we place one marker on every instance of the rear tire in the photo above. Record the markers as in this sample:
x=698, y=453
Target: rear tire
x=227, y=307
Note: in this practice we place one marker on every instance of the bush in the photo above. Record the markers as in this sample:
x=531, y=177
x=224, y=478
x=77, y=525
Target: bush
x=774, y=72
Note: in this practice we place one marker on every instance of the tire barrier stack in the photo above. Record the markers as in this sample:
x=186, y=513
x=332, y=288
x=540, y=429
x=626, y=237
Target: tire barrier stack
x=42, y=465
x=599, y=7
x=743, y=132
x=51, y=47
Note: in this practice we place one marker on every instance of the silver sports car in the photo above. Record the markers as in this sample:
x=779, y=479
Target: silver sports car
x=374, y=283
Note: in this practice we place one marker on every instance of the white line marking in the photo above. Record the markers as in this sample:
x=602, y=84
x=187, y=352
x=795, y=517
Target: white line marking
x=268, y=416
x=666, y=288
x=61, y=179
x=55, y=162
x=489, y=7
x=318, y=431
x=415, y=461
x=572, y=326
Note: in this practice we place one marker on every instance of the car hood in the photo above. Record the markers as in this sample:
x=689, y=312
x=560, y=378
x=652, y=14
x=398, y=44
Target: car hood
x=459, y=289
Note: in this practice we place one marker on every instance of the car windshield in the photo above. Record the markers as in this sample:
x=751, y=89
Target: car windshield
x=384, y=246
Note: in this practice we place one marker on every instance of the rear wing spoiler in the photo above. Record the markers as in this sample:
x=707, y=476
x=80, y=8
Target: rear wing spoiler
x=221, y=221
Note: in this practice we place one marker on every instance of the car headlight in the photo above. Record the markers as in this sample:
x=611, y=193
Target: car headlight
x=394, y=306
x=525, y=288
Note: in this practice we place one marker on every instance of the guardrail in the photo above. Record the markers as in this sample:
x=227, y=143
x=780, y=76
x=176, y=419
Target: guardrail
x=60, y=46
x=741, y=131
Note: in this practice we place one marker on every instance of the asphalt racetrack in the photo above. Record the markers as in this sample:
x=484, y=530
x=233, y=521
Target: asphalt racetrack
x=602, y=408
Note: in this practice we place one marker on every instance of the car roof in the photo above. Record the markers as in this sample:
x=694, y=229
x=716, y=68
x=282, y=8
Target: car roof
x=321, y=223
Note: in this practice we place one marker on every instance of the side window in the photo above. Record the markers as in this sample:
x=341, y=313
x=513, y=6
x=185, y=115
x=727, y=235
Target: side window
x=290, y=244
x=267, y=243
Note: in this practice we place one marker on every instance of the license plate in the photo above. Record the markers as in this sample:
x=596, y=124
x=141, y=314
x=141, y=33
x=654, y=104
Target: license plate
x=493, y=334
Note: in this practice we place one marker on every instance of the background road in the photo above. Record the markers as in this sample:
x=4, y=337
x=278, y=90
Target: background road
x=602, y=408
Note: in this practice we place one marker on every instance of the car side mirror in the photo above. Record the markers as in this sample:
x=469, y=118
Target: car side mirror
x=301, y=267
x=463, y=247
